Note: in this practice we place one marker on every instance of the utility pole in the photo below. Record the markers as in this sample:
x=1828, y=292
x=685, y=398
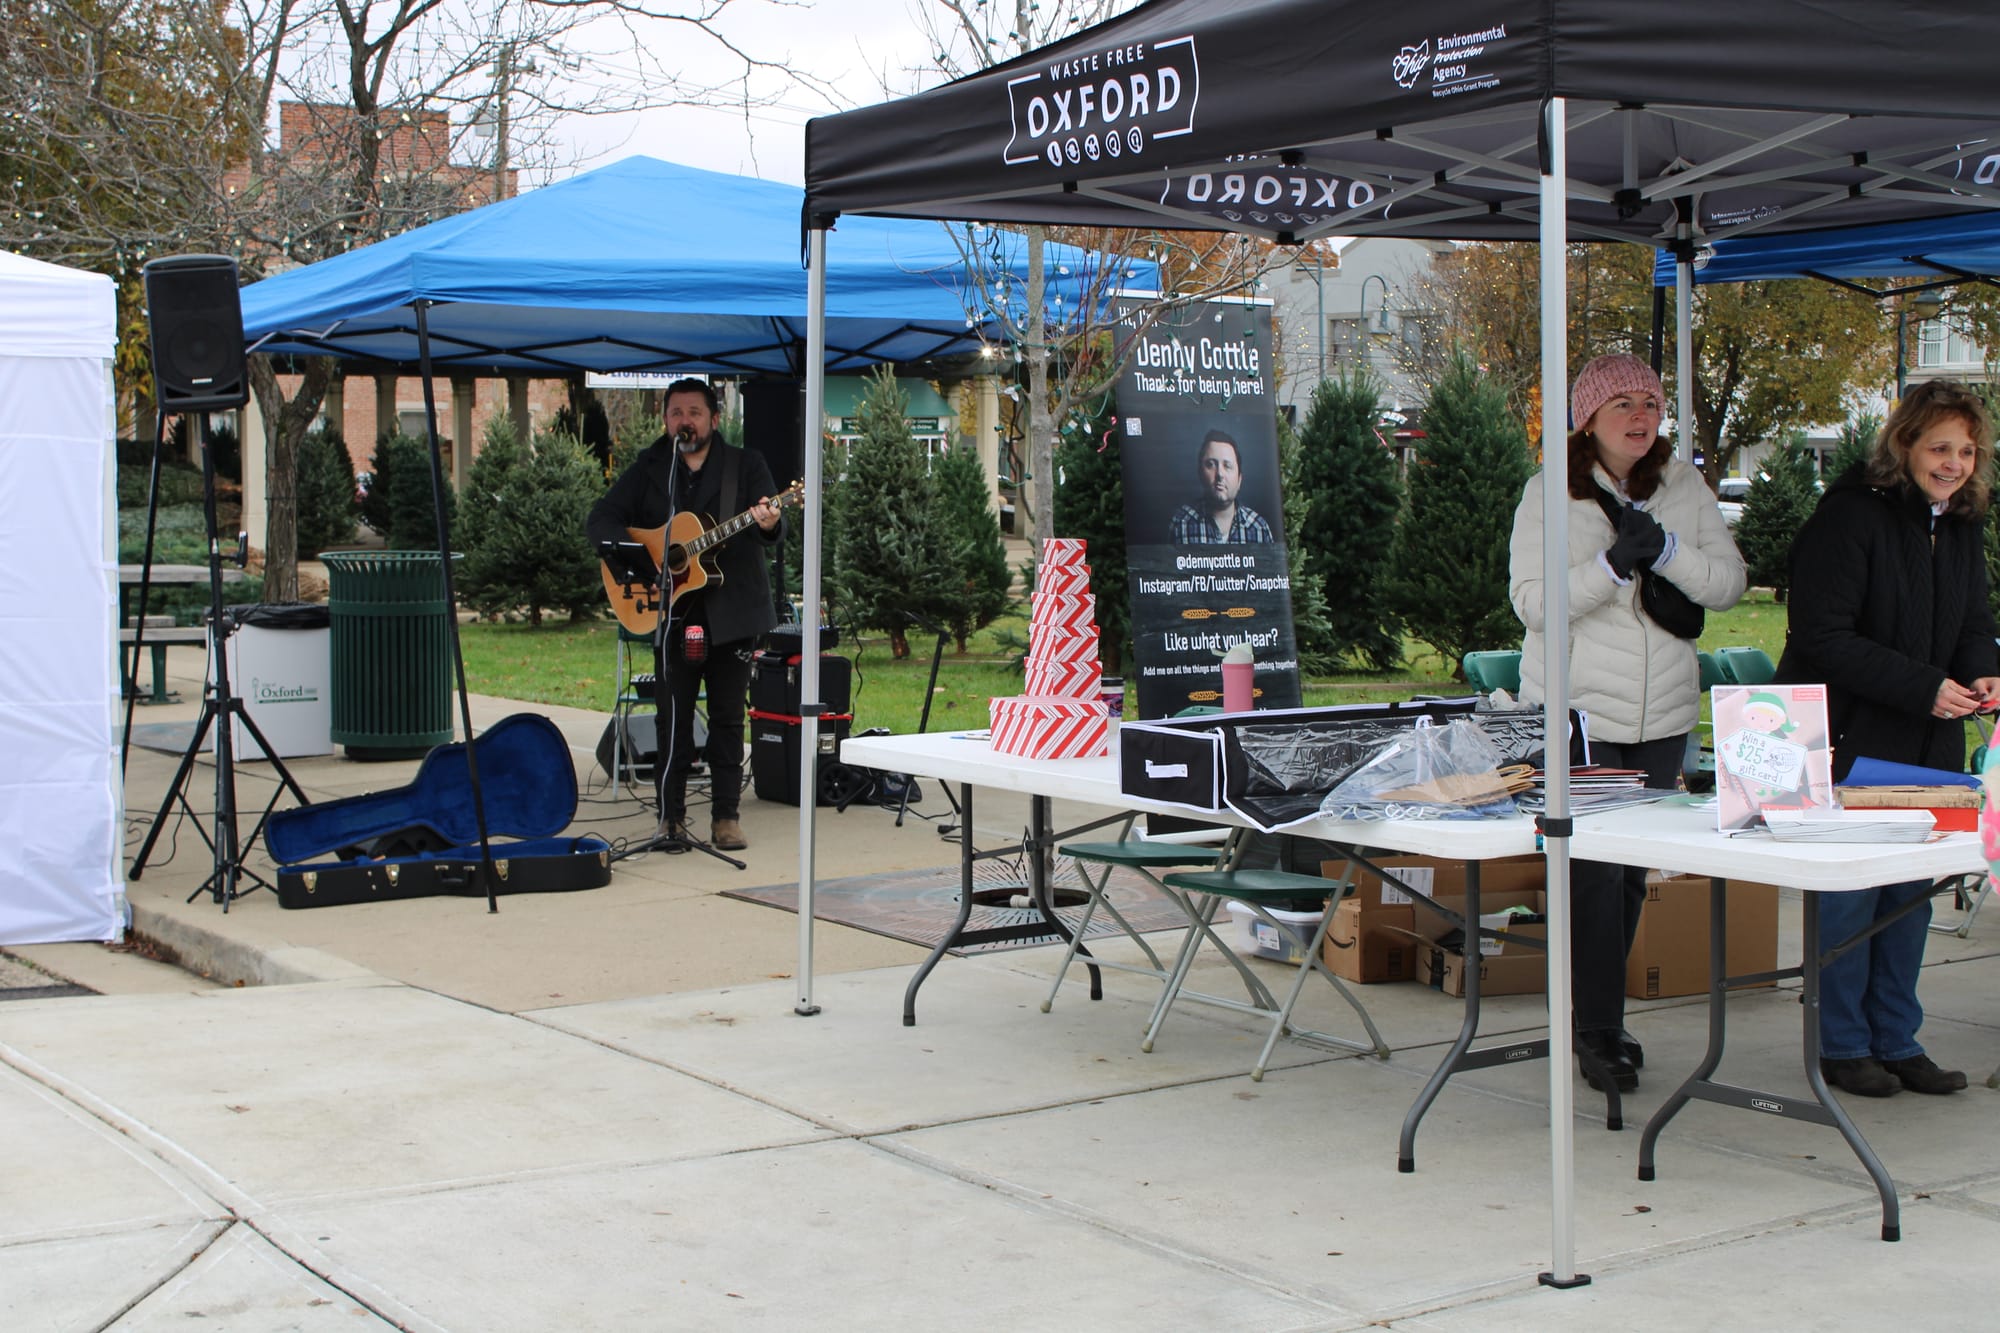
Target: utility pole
x=503, y=79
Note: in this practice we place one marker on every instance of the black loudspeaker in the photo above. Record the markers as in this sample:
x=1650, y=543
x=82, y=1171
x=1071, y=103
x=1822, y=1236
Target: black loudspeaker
x=640, y=756
x=772, y=414
x=196, y=321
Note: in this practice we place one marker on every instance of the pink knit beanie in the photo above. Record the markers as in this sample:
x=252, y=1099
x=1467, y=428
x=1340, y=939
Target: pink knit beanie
x=1604, y=379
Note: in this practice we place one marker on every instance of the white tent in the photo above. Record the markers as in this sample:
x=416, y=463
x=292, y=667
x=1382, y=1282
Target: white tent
x=60, y=790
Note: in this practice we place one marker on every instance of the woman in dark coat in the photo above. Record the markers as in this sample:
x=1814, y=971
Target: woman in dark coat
x=1888, y=608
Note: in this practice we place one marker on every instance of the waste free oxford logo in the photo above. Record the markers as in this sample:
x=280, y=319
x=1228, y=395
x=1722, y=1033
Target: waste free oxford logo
x=1096, y=105
x=1408, y=64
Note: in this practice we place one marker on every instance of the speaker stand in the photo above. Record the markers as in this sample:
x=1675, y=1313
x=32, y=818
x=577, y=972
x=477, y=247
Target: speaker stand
x=219, y=709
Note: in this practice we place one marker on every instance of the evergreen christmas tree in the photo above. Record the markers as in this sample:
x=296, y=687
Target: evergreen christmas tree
x=982, y=584
x=884, y=529
x=325, y=506
x=412, y=510
x=1090, y=504
x=532, y=554
x=1450, y=562
x=1778, y=505
x=1857, y=438
x=1312, y=622
x=1349, y=496
x=485, y=486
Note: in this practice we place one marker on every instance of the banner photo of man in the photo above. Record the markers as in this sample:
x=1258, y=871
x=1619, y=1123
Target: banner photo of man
x=1204, y=517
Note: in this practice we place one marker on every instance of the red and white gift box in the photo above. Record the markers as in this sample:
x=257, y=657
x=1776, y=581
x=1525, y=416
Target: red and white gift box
x=1062, y=580
x=1052, y=612
x=1041, y=728
x=1062, y=551
x=1065, y=645
x=1066, y=680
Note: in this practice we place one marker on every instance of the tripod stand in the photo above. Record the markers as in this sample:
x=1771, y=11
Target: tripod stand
x=220, y=709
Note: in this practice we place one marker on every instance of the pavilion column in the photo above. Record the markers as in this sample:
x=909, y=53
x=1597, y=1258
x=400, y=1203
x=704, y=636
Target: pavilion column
x=334, y=406
x=463, y=389
x=517, y=408
x=385, y=405
x=254, y=452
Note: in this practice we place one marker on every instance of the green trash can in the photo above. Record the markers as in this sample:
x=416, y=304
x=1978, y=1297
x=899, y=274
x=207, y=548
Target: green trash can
x=391, y=649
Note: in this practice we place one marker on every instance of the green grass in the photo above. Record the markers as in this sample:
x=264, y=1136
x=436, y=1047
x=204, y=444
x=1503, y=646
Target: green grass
x=575, y=664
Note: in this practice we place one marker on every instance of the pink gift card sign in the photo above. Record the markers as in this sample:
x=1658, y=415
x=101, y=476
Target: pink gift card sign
x=1771, y=752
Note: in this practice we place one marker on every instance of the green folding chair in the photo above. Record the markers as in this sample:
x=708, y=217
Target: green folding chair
x=1145, y=857
x=1260, y=890
x=1494, y=669
x=1746, y=666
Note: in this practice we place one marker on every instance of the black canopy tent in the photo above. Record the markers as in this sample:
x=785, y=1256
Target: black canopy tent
x=1630, y=120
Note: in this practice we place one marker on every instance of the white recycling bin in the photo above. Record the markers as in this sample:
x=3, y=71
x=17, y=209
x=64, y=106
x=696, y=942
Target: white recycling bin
x=281, y=667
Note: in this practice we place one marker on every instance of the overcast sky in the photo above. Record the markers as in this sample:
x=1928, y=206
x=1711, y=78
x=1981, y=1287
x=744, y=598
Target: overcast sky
x=855, y=45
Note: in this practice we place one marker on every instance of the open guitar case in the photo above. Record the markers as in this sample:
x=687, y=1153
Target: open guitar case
x=422, y=840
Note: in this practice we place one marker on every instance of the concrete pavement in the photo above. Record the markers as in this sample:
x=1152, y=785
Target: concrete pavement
x=599, y=1111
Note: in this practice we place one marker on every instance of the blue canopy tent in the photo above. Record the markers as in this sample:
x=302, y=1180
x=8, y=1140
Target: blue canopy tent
x=645, y=265
x=649, y=266
x=1948, y=250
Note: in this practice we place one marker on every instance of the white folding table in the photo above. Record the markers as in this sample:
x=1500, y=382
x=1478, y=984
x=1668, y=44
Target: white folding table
x=1676, y=836
x=969, y=760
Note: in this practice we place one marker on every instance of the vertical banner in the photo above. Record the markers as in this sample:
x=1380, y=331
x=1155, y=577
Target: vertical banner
x=1204, y=520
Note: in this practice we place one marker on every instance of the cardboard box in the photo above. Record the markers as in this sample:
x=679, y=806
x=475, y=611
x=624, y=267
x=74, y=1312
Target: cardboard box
x=1513, y=966
x=1371, y=944
x=1670, y=953
x=1379, y=934
x=1257, y=938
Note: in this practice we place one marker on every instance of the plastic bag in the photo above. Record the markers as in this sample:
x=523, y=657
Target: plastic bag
x=1448, y=772
x=1311, y=756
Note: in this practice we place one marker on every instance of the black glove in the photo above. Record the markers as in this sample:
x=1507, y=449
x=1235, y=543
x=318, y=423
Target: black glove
x=1638, y=544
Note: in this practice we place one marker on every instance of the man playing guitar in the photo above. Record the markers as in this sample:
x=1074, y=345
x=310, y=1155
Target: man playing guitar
x=712, y=625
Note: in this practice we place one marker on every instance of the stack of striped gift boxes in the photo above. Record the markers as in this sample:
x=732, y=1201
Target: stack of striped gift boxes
x=1061, y=715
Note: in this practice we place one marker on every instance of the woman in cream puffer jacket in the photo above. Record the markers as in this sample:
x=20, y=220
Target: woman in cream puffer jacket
x=1635, y=680
x=1637, y=684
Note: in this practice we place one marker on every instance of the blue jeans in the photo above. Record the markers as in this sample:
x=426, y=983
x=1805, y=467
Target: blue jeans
x=1868, y=997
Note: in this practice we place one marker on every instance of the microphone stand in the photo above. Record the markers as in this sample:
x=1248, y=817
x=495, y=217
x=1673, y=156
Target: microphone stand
x=663, y=688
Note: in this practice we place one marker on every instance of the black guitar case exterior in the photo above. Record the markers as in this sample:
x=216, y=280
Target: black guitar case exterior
x=422, y=839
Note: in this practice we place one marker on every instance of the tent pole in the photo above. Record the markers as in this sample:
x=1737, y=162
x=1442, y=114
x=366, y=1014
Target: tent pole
x=1555, y=681
x=1684, y=331
x=809, y=705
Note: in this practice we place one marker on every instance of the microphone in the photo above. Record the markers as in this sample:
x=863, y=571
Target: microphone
x=684, y=439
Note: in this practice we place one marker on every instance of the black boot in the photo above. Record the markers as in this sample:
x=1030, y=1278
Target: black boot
x=1602, y=1046
x=1633, y=1050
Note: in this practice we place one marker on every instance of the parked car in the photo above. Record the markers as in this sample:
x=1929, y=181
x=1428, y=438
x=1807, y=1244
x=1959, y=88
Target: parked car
x=1730, y=494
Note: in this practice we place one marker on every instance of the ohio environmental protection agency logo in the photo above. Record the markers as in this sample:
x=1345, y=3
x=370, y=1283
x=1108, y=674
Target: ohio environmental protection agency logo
x=1095, y=105
x=1408, y=64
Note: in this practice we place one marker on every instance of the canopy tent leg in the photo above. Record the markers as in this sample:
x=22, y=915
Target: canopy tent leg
x=1555, y=668
x=813, y=509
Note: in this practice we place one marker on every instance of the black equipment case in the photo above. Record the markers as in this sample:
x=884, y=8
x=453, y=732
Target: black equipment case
x=774, y=755
x=774, y=683
x=422, y=839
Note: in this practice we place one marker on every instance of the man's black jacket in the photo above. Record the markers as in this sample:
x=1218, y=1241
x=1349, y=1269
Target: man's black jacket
x=648, y=493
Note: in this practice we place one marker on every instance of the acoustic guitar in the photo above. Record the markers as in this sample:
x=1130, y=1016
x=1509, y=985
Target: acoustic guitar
x=681, y=551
